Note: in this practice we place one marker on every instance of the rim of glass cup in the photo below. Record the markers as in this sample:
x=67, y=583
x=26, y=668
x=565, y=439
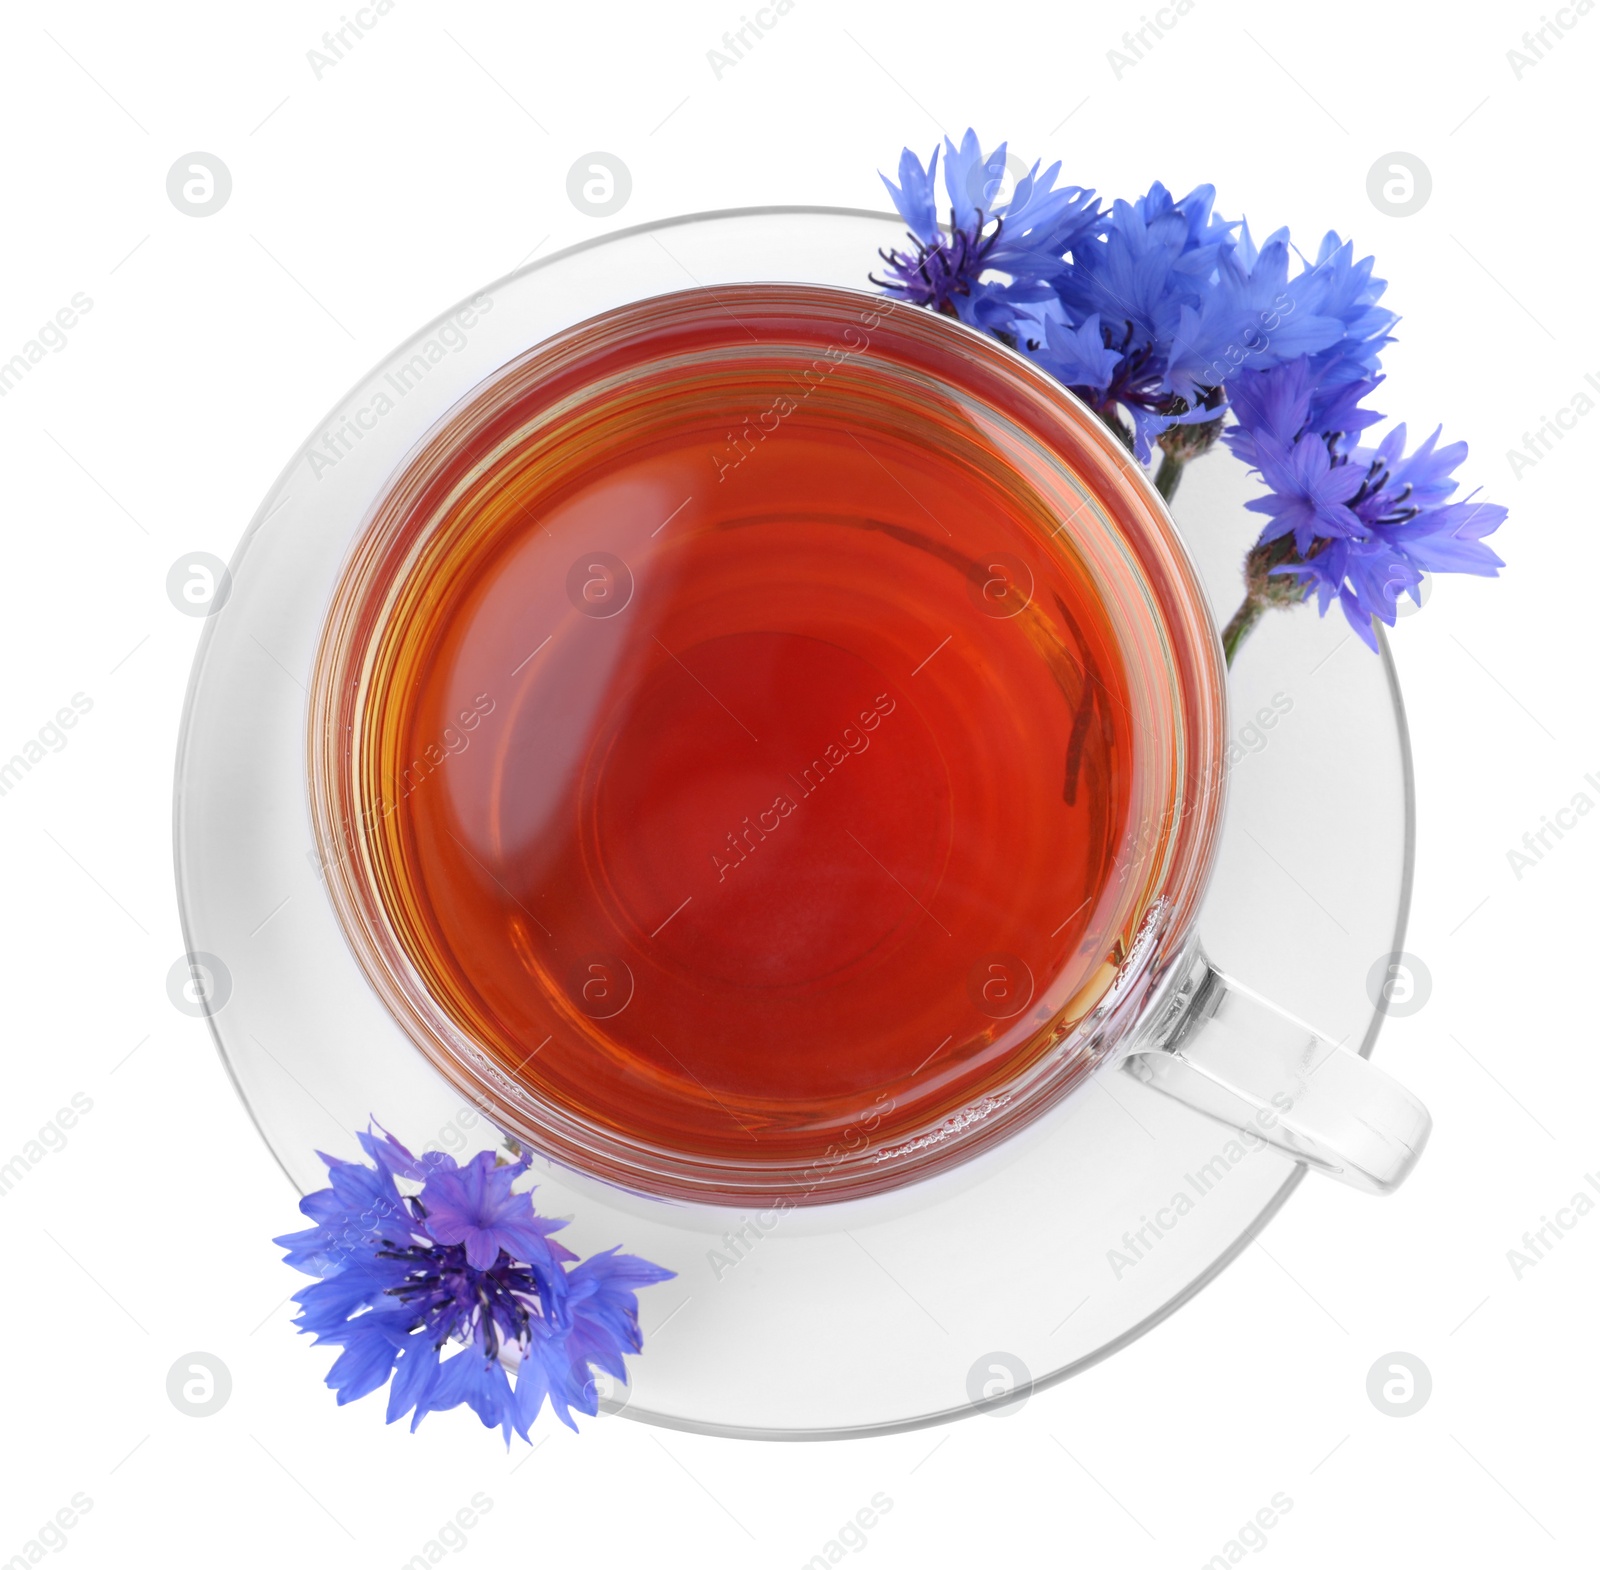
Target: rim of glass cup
x=368, y=582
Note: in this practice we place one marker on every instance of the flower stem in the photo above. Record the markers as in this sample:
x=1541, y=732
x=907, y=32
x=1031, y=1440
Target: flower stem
x=1168, y=475
x=1250, y=611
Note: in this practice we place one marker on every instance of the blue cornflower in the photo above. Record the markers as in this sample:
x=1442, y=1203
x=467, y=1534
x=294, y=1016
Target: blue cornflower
x=1310, y=483
x=1285, y=401
x=474, y=1206
x=1079, y=357
x=1147, y=273
x=1410, y=528
x=359, y=1205
x=1024, y=239
x=1309, y=491
x=1251, y=313
x=464, y=1261
x=1150, y=258
x=1365, y=523
x=1338, y=286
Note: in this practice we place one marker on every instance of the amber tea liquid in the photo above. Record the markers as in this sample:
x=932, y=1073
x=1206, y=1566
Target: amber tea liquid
x=749, y=755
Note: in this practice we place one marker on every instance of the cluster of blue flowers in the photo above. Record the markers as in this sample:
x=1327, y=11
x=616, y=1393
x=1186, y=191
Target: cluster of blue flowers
x=463, y=1262
x=1360, y=524
x=1162, y=317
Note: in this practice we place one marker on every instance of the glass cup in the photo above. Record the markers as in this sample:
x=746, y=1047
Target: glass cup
x=1127, y=986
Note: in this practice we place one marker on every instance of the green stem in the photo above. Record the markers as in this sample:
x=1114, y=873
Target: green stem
x=1168, y=475
x=1239, y=628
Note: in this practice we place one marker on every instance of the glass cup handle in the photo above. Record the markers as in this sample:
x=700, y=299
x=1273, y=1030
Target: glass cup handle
x=1219, y=1048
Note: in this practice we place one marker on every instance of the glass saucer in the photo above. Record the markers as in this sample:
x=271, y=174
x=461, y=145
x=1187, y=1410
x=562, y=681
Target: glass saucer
x=839, y=1319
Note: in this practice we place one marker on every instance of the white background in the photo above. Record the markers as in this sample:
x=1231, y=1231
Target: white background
x=367, y=201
